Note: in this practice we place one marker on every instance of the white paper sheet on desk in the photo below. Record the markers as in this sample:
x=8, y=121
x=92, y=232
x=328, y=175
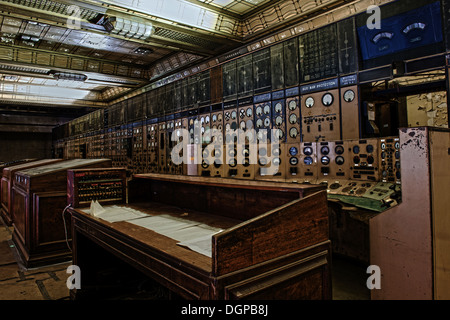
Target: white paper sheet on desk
x=202, y=245
x=191, y=234
x=116, y=214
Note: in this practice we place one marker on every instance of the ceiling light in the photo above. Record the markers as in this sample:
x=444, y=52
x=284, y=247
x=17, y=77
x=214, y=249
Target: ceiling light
x=68, y=76
x=143, y=51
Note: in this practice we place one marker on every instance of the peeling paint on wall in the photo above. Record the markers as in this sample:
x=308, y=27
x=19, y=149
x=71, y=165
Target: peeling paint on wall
x=428, y=109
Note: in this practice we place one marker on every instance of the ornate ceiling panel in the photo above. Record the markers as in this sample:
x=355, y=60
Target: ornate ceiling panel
x=98, y=51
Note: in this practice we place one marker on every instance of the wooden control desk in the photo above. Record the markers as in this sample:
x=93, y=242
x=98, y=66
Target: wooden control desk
x=274, y=243
x=7, y=185
x=39, y=198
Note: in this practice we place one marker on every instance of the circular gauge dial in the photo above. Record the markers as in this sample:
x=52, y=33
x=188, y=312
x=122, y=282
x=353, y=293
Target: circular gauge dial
x=327, y=99
x=266, y=109
x=349, y=95
x=309, y=102
x=293, y=151
x=278, y=107
x=292, y=105
x=339, y=149
x=325, y=160
x=308, y=161
x=293, y=118
x=293, y=132
x=280, y=134
x=325, y=150
x=340, y=160
x=249, y=112
x=308, y=151
x=279, y=121
x=293, y=161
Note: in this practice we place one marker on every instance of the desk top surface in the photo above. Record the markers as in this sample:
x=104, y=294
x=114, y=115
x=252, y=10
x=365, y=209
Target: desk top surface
x=165, y=245
x=231, y=182
x=29, y=165
x=59, y=166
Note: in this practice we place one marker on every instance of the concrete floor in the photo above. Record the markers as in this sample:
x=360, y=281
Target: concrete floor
x=49, y=282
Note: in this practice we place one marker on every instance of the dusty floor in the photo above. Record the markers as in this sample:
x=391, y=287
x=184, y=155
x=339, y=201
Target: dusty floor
x=49, y=283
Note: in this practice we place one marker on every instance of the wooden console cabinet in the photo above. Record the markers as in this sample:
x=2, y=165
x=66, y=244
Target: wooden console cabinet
x=39, y=198
x=7, y=185
x=273, y=244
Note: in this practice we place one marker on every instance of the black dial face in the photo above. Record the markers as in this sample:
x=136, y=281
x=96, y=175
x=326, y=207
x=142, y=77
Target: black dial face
x=369, y=148
x=356, y=149
x=309, y=103
x=327, y=99
x=293, y=161
x=339, y=149
x=349, y=95
x=293, y=151
x=308, y=161
x=308, y=151
x=325, y=150
x=325, y=160
x=340, y=160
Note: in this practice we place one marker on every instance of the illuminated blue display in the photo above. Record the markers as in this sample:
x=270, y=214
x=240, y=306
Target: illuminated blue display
x=413, y=29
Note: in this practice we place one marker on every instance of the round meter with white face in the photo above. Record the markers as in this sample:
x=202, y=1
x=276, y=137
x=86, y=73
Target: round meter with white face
x=327, y=99
x=292, y=105
x=349, y=95
x=309, y=102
